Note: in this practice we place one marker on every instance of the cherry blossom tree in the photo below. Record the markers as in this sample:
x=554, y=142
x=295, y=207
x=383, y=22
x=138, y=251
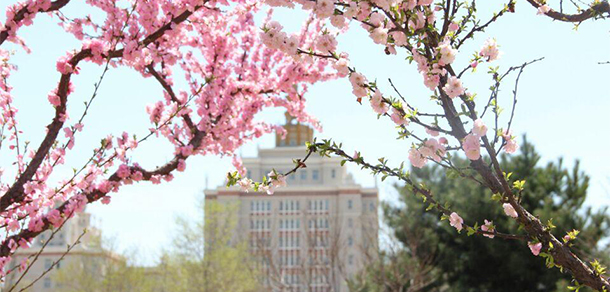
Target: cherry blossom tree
x=233, y=69
x=210, y=46
x=433, y=35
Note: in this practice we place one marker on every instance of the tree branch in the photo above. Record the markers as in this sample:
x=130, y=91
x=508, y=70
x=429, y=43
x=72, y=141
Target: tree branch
x=596, y=10
x=23, y=12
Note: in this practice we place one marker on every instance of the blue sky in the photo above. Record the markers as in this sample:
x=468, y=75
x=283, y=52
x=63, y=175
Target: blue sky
x=563, y=107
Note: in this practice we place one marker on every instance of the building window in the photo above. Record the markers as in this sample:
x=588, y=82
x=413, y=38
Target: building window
x=350, y=204
x=269, y=206
x=303, y=174
x=47, y=282
x=333, y=173
x=47, y=264
x=350, y=222
x=350, y=259
x=293, y=142
x=350, y=241
x=281, y=206
x=326, y=205
x=315, y=174
x=372, y=207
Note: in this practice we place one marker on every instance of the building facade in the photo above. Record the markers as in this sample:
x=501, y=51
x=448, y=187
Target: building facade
x=313, y=234
x=88, y=250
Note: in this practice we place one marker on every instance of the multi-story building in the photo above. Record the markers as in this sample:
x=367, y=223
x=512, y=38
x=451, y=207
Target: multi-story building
x=42, y=271
x=313, y=234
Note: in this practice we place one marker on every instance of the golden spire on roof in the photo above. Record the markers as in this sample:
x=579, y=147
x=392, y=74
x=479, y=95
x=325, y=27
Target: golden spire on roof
x=296, y=133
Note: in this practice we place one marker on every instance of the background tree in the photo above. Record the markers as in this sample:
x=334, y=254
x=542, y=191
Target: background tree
x=207, y=254
x=224, y=264
x=475, y=263
x=400, y=266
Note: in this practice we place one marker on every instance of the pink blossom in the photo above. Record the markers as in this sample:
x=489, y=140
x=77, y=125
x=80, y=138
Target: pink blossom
x=181, y=165
x=472, y=147
x=479, y=128
x=279, y=181
x=453, y=88
x=437, y=149
x=379, y=35
x=447, y=53
x=378, y=104
x=490, y=50
x=338, y=21
x=137, y=176
x=376, y=19
x=398, y=118
x=535, y=247
x=342, y=67
x=54, y=217
x=124, y=171
x=269, y=189
x=509, y=210
x=358, y=84
x=54, y=99
x=431, y=80
x=63, y=65
x=245, y=184
x=453, y=26
x=400, y=39
x=35, y=224
x=416, y=158
x=431, y=132
x=106, y=200
x=488, y=227
x=456, y=221
x=544, y=9
x=324, y=8
x=326, y=43
x=511, y=144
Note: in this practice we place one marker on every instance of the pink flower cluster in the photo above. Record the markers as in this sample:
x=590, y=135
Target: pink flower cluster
x=431, y=149
x=488, y=227
x=456, y=221
x=231, y=72
x=273, y=37
x=511, y=143
x=472, y=142
x=490, y=50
